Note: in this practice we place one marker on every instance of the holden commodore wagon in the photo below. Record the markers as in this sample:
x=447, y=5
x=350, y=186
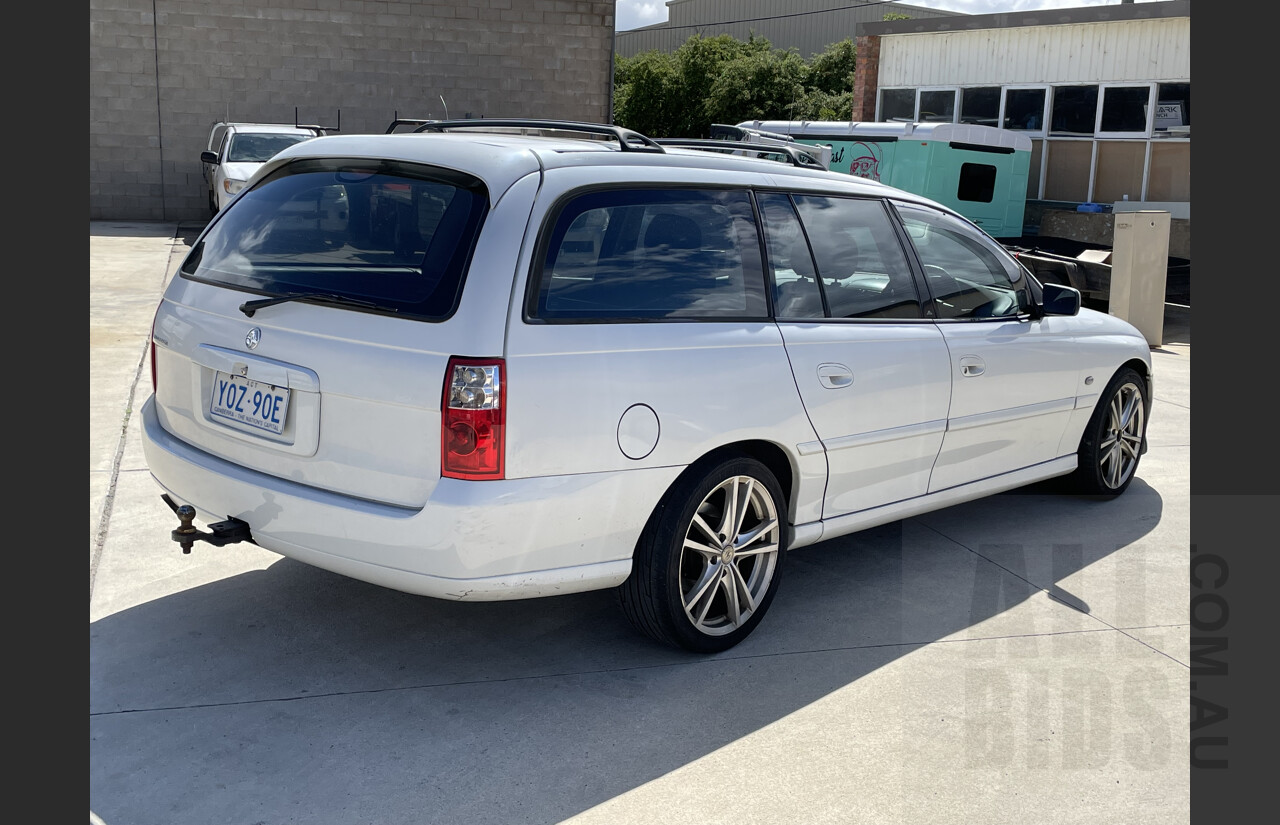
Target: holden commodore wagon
x=530, y=358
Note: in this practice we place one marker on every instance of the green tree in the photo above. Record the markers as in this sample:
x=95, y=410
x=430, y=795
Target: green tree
x=646, y=89
x=725, y=80
x=761, y=85
x=819, y=105
x=832, y=71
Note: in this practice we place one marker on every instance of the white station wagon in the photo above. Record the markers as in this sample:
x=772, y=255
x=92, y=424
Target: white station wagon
x=529, y=358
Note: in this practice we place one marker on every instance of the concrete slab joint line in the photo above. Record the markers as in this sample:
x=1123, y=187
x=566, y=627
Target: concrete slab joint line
x=104, y=515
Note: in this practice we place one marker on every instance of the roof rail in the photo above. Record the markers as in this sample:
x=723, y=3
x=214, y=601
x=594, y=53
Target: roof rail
x=317, y=127
x=628, y=140
x=797, y=154
x=407, y=121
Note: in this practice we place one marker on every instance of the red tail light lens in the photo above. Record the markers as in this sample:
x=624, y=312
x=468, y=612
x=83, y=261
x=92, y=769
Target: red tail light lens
x=473, y=419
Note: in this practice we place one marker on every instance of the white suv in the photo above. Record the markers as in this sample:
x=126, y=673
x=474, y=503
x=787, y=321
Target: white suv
x=532, y=358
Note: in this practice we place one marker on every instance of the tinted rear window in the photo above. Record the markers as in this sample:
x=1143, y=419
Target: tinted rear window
x=651, y=254
x=396, y=235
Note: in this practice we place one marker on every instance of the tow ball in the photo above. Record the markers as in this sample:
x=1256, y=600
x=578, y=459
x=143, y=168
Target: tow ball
x=224, y=532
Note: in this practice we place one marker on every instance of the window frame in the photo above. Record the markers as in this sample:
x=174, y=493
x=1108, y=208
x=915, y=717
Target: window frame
x=1102, y=102
x=955, y=102
x=999, y=104
x=1097, y=111
x=915, y=100
x=1043, y=130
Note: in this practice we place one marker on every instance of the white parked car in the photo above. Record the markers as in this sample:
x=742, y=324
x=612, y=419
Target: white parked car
x=236, y=150
x=532, y=359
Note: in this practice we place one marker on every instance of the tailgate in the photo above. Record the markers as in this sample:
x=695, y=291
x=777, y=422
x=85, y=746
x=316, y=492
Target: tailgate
x=355, y=416
x=335, y=380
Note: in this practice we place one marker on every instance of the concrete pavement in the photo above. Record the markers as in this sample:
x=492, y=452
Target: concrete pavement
x=1018, y=659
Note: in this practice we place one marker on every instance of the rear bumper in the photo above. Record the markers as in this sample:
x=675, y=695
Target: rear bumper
x=474, y=540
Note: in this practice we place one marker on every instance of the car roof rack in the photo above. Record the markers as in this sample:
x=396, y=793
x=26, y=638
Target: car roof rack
x=407, y=121
x=397, y=121
x=628, y=140
x=317, y=127
x=796, y=154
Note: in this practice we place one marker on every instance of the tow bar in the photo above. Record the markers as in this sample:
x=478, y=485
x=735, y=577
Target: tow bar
x=224, y=532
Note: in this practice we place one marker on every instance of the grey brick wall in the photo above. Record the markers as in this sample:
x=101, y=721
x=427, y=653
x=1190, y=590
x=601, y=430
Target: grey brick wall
x=161, y=72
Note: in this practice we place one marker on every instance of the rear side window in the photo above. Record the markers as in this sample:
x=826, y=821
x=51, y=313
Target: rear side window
x=396, y=236
x=651, y=254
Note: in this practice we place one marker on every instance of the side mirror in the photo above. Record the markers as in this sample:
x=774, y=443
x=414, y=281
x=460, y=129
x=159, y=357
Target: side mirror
x=209, y=157
x=1060, y=300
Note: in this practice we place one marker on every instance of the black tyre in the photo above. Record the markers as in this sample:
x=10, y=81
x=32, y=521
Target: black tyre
x=709, y=560
x=1113, y=440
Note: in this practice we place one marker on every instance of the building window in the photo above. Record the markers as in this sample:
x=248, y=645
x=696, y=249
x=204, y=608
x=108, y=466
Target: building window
x=1170, y=176
x=897, y=103
x=981, y=105
x=977, y=182
x=1024, y=109
x=1173, y=107
x=938, y=106
x=1067, y=170
x=1118, y=173
x=1124, y=109
x=1075, y=110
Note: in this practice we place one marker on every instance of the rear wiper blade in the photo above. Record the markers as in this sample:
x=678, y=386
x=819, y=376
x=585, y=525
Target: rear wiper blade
x=250, y=307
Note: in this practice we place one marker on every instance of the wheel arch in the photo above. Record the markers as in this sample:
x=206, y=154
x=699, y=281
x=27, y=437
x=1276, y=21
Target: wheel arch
x=1141, y=367
x=768, y=453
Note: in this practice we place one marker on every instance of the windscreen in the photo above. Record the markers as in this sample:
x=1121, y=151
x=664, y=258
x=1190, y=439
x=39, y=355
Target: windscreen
x=259, y=148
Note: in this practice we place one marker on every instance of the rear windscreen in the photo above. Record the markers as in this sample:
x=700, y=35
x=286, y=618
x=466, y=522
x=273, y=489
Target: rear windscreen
x=395, y=235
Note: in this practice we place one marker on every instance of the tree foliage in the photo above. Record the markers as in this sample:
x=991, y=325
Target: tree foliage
x=725, y=80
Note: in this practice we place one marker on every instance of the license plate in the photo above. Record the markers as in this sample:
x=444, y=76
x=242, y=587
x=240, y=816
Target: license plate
x=250, y=402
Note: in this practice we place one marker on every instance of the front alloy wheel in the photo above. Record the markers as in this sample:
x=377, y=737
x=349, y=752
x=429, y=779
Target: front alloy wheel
x=1112, y=442
x=1122, y=438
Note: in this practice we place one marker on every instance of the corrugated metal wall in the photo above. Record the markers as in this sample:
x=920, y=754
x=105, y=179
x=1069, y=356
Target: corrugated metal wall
x=808, y=26
x=1137, y=50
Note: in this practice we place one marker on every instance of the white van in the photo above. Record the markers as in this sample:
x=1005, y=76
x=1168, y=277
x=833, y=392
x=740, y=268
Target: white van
x=536, y=358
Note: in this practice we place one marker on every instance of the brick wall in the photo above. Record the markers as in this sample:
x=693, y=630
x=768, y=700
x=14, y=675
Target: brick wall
x=159, y=80
x=866, y=78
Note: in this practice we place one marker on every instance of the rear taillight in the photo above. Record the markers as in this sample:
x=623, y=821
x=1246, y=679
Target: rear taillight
x=473, y=418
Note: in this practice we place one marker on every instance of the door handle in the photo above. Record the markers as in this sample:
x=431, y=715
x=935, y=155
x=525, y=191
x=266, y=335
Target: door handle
x=834, y=376
x=972, y=365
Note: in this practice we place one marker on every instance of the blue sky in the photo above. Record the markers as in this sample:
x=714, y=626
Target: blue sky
x=633, y=13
